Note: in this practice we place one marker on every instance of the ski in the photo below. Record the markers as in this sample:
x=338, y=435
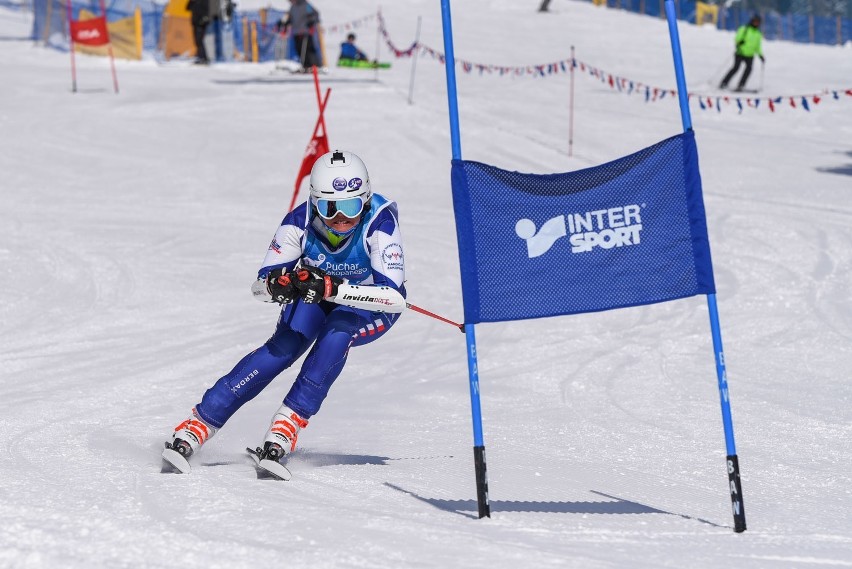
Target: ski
x=735, y=92
x=268, y=468
x=175, y=461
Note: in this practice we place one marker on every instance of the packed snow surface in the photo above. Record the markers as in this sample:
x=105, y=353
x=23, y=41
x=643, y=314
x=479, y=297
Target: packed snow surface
x=133, y=226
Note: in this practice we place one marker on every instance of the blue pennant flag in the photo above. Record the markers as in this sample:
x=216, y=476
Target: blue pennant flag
x=626, y=233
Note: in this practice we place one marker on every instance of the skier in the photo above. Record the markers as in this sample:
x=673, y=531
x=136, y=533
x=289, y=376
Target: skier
x=200, y=10
x=343, y=235
x=748, y=39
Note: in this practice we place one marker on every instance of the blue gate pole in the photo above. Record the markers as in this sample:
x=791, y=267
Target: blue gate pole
x=734, y=483
x=476, y=410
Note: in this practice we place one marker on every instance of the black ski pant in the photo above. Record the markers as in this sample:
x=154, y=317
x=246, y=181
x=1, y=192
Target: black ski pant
x=199, y=31
x=739, y=60
x=305, y=48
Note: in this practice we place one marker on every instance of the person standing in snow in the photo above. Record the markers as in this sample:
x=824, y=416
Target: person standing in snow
x=200, y=10
x=344, y=233
x=748, y=44
x=301, y=21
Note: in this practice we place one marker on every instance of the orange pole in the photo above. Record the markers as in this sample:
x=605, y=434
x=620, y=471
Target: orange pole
x=137, y=20
x=254, y=54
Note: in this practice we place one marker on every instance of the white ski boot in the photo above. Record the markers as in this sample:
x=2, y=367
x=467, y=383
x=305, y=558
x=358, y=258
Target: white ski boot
x=186, y=439
x=280, y=441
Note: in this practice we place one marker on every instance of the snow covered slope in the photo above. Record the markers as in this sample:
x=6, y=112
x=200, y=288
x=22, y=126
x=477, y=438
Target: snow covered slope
x=132, y=227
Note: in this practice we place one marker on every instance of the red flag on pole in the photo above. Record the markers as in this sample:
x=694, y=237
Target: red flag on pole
x=316, y=147
x=90, y=32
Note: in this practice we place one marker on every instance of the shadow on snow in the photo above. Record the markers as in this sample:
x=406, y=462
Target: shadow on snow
x=613, y=506
x=842, y=170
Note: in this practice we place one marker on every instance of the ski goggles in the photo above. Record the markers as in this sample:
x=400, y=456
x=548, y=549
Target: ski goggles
x=350, y=207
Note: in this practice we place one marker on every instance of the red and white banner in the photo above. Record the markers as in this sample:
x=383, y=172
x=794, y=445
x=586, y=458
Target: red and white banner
x=90, y=32
x=93, y=33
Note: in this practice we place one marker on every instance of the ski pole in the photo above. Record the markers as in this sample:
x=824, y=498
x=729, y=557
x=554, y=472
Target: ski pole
x=304, y=50
x=725, y=64
x=435, y=316
x=762, y=69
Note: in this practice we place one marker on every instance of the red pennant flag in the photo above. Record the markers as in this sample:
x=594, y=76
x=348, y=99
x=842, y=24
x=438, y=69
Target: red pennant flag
x=771, y=106
x=817, y=99
x=90, y=32
x=316, y=148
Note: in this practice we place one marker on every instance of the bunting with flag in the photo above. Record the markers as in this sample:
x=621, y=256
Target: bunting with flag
x=650, y=93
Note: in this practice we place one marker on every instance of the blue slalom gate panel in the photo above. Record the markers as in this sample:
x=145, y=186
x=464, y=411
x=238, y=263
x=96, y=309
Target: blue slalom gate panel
x=626, y=233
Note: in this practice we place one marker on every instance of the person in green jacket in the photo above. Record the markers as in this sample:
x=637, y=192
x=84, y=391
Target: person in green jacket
x=748, y=40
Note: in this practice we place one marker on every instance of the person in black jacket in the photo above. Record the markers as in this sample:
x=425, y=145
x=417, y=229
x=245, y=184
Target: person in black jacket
x=200, y=19
x=301, y=21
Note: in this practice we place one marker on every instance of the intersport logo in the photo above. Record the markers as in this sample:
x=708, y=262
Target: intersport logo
x=604, y=228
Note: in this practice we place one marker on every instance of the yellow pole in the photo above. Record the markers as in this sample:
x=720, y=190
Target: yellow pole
x=254, y=55
x=137, y=17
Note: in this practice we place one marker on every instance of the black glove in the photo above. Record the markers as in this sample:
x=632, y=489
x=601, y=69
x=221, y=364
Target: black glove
x=314, y=284
x=280, y=286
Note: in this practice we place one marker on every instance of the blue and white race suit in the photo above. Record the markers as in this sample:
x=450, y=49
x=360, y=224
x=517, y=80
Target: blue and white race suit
x=372, y=255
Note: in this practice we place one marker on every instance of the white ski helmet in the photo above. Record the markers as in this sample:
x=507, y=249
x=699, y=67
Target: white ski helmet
x=339, y=175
